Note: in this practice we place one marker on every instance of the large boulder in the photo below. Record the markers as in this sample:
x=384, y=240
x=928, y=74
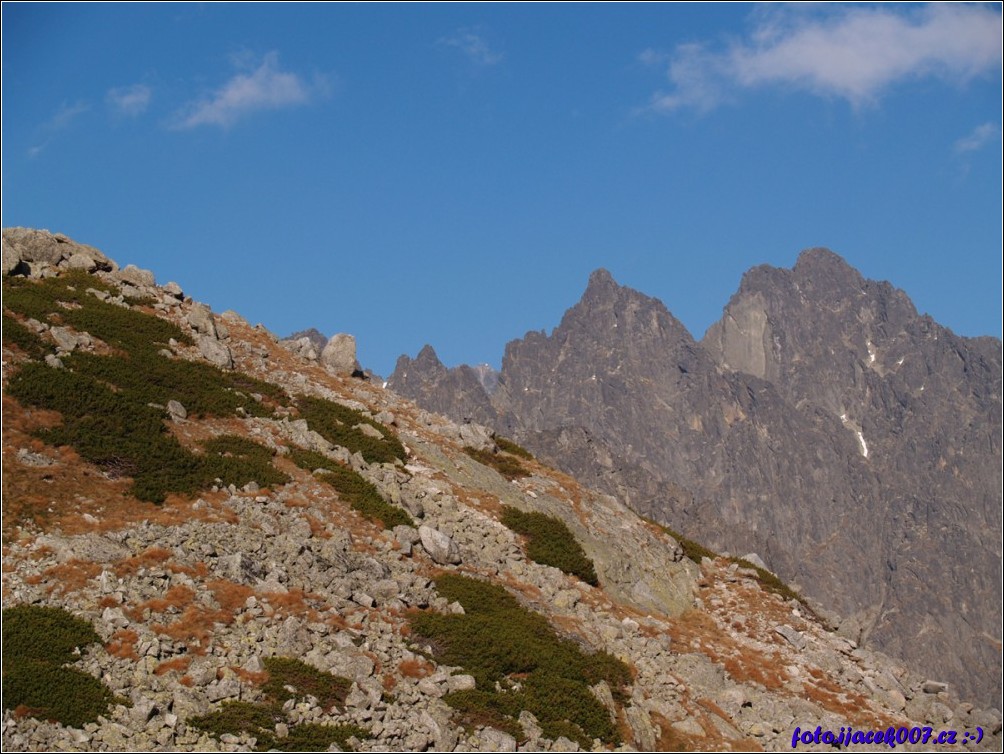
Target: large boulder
x=339, y=355
x=441, y=548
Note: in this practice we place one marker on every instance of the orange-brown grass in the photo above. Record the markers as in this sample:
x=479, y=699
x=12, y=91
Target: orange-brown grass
x=250, y=676
x=743, y=663
x=70, y=487
x=194, y=627
x=844, y=702
x=177, y=596
x=230, y=596
x=123, y=644
x=670, y=739
x=296, y=502
x=416, y=668
x=199, y=570
x=67, y=577
x=149, y=557
x=317, y=528
x=295, y=602
x=79, y=487
x=178, y=664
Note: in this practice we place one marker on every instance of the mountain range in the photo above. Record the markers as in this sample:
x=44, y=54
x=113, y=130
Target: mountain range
x=822, y=423
x=215, y=539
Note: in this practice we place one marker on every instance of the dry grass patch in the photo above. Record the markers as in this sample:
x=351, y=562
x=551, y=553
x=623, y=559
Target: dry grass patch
x=176, y=665
x=194, y=628
x=67, y=577
x=230, y=596
x=416, y=668
x=296, y=602
x=151, y=556
x=175, y=598
x=123, y=644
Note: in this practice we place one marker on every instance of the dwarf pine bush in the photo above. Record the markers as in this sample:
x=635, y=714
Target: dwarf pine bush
x=519, y=663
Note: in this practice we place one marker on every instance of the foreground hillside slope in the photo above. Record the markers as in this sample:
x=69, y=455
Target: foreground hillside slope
x=212, y=542
x=822, y=424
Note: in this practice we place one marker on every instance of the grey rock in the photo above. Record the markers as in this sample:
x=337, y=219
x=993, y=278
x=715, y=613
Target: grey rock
x=339, y=354
x=793, y=637
x=40, y=247
x=495, y=740
x=641, y=727
x=173, y=290
x=215, y=352
x=135, y=276
x=460, y=683
x=200, y=317
x=441, y=548
x=477, y=436
x=176, y=411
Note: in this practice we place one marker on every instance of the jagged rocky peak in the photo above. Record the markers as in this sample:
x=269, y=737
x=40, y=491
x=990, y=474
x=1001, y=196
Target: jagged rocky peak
x=821, y=422
x=458, y=392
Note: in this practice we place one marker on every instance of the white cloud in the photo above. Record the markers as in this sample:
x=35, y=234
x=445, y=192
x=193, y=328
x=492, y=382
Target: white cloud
x=855, y=53
x=265, y=88
x=474, y=46
x=60, y=121
x=65, y=115
x=129, y=100
x=978, y=138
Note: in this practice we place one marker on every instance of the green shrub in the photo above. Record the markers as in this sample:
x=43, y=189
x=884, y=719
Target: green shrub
x=37, y=644
x=54, y=692
x=500, y=642
x=234, y=718
x=108, y=403
x=128, y=437
x=286, y=673
x=504, y=464
x=360, y=494
x=337, y=424
x=508, y=446
x=315, y=737
x=551, y=543
x=65, y=299
x=238, y=460
x=48, y=634
x=259, y=719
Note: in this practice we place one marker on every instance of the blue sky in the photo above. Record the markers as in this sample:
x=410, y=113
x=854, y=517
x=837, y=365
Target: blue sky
x=451, y=174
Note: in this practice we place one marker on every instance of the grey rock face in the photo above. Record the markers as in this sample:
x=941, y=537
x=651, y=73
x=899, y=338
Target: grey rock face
x=339, y=355
x=822, y=423
x=457, y=392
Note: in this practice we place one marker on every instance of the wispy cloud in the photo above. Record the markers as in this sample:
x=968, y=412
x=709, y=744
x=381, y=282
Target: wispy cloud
x=60, y=121
x=473, y=45
x=855, y=53
x=264, y=88
x=978, y=138
x=129, y=100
